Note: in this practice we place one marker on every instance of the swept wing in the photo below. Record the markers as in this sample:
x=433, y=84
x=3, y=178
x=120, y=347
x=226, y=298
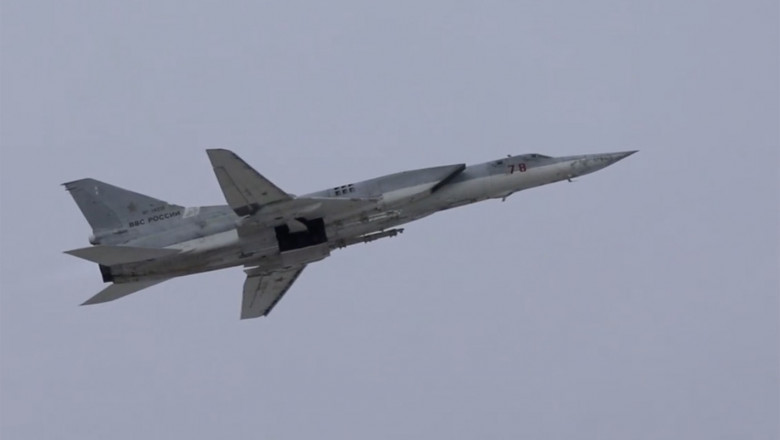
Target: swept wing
x=246, y=190
x=262, y=290
x=264, y=204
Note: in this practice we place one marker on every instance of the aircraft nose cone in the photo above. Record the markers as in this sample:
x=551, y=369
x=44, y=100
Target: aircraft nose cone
x=593, y=162
x=614, y=157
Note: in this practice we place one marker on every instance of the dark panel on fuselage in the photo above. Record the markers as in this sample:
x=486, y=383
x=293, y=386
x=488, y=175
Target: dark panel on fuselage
x=314, y=234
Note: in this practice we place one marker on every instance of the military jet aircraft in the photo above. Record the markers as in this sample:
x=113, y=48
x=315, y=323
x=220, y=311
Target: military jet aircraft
x=139, y=241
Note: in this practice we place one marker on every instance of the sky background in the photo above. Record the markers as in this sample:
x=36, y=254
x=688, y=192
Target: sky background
x=638, y=302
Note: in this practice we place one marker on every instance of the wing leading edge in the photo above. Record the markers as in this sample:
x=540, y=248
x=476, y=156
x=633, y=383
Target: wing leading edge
x=262, y=290
x=264, y=204
x=246, y=190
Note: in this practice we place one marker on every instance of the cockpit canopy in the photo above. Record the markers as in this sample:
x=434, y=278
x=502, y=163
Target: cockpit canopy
x=530, y=157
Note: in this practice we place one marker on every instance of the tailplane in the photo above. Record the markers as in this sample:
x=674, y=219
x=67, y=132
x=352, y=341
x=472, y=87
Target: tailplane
x=111, y=255
x=118, y=290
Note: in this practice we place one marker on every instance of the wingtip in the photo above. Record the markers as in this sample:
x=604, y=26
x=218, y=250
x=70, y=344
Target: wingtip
x=220, y=156
x=211, y=151
x=95, y=299
x=244, y=317
x=74, y=184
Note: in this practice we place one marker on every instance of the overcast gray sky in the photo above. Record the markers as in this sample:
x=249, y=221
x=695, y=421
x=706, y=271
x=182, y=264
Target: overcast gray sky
x=639, y=302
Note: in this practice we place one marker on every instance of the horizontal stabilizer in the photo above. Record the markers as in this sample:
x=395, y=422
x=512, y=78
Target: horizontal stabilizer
x=111, y=255
x=116, y=291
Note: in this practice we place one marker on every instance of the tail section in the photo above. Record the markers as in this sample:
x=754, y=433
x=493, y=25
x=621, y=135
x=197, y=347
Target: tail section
x=117, y=216
x=110, y=208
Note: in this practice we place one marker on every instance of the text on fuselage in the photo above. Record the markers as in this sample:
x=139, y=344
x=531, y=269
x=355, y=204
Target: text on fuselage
x=154, y=218
x=516, y=168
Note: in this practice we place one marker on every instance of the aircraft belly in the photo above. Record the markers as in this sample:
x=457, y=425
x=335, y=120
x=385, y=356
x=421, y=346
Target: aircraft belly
x=209, y=243
x=223, y=250
x=182, y=265
x=204, y=254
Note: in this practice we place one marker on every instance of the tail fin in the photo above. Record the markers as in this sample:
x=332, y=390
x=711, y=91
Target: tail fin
x=107, y=207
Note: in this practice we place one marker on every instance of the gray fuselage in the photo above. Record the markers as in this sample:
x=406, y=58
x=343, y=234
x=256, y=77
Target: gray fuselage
x=215, y=237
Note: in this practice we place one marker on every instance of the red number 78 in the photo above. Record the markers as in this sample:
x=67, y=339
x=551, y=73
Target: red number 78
x=520, y=168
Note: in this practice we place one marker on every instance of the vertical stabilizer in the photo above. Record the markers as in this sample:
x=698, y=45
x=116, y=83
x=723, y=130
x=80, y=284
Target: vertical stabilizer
x=108, y=208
